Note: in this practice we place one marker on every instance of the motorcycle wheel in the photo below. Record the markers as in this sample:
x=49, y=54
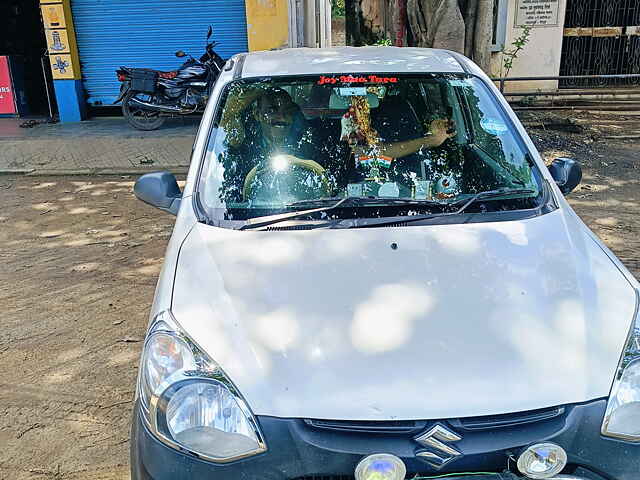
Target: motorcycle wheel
x=139, y=117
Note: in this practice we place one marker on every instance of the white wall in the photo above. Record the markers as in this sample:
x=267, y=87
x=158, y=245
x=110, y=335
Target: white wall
x=540, y=57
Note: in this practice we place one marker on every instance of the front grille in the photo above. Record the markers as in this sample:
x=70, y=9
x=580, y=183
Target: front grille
x=392, y=426
x=409, y=427
x=510, y=419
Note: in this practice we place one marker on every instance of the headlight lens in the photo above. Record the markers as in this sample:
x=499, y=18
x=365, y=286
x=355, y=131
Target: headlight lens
x=187, y=400
x=205, y=417
x=622, y=419
x=165, y=354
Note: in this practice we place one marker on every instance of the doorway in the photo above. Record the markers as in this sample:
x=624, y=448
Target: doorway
x=22, y=37
x=601, y=37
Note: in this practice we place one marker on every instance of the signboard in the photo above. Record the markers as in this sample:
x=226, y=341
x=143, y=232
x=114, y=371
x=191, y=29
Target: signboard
x=57, y=41
x=7, y=105
x=537, y=13
x=53, y=16
x=63, y=52
x=62, y=66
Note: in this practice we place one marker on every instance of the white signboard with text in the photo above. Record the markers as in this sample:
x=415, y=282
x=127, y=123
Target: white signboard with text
x=537, y=13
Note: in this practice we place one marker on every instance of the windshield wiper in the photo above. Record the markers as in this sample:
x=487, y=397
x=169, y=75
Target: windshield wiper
x=500, y=192
x=361, y=201
x=334, y=202
x=271, y=219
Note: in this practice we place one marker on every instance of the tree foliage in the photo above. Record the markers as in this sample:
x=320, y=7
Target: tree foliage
x=508, y=56
x=337, y=8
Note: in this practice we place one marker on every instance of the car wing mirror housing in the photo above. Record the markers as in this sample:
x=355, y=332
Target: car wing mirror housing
x=159, y=189
x=567, y=174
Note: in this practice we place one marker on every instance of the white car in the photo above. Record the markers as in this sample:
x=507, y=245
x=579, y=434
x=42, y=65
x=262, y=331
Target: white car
x=374, y=275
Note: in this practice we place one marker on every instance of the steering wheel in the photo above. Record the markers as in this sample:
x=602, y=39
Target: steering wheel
x=284, y=163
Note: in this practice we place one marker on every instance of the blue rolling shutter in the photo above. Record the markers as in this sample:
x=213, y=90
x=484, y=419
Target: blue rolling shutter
x=147, y=33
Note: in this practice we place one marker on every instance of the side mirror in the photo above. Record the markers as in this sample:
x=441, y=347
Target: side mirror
x=567, y=173
x=159, y=189
x=180, y=54
x=209, y=32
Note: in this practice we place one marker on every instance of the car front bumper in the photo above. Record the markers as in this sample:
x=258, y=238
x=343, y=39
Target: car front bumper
x=297, y=450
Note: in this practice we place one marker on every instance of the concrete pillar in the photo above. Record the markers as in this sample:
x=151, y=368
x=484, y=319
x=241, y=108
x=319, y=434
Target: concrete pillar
x=70, y=99
x=64, y=59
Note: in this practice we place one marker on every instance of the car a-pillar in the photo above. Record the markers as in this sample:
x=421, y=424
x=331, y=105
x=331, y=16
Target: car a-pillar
x=63, y=59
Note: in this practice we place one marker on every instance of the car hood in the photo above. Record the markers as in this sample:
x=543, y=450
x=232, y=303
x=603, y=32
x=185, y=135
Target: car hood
x=417, y=322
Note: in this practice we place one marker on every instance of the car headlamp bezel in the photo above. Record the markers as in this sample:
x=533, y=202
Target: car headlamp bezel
x=630, y=357
x=206, y=371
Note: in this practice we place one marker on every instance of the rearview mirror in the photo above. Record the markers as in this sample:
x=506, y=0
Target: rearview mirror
x=159, y=189
x=209, y=32
x=180, y=54
x=567, y=173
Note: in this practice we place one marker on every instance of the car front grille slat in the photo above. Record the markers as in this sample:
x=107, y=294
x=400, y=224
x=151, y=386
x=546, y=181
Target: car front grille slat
x=392, y=427
x=510, y=419
x=409, y=427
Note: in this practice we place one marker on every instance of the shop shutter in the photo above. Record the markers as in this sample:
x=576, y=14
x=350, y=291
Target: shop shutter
x=147, y=33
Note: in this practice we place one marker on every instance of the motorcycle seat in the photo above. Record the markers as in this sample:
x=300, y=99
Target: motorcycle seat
x=168, y=75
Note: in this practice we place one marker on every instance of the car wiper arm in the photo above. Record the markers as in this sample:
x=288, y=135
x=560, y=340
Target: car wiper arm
x=337, y=202
x=464, y=204
x=271, y=219
x=499, y=192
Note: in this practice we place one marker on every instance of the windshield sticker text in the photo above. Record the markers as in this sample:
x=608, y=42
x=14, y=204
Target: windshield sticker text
x=360, y=79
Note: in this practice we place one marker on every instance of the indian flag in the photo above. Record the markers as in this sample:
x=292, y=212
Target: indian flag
x=379, y=160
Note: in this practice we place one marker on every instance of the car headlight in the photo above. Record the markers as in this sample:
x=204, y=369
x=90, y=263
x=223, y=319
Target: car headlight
x=622, y=418
x=188, y=402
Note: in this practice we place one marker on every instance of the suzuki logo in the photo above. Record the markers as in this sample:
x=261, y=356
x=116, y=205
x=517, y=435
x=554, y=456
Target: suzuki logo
x=439, y=453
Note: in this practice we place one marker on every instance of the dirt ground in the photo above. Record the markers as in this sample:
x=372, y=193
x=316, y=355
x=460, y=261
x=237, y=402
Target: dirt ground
x=79, y=258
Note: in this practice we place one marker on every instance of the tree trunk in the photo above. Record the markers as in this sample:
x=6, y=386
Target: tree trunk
x=352, y=32
x=436, y=24
x=465, y=26
x=483, y=35
x=470, y=15
x=361, y=22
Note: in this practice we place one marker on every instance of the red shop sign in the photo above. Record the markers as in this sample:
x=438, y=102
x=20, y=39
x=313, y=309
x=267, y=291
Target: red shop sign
x=7, y=105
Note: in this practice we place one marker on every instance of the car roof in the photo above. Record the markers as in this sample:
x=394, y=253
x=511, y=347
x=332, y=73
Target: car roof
x=301, y=61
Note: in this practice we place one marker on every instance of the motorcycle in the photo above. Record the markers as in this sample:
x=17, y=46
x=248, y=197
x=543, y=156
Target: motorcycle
x=150, y=96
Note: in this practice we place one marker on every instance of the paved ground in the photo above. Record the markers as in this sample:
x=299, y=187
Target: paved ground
x=104, y=145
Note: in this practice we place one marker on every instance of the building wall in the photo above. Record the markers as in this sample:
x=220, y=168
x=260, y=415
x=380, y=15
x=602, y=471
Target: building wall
x=267, y=24
x=540, y=57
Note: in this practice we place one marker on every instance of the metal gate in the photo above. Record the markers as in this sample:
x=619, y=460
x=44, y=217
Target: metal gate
x=601, y=37
x=147, y=33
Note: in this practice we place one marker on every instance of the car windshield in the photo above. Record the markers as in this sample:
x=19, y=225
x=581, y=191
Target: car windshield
x=403, y=144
